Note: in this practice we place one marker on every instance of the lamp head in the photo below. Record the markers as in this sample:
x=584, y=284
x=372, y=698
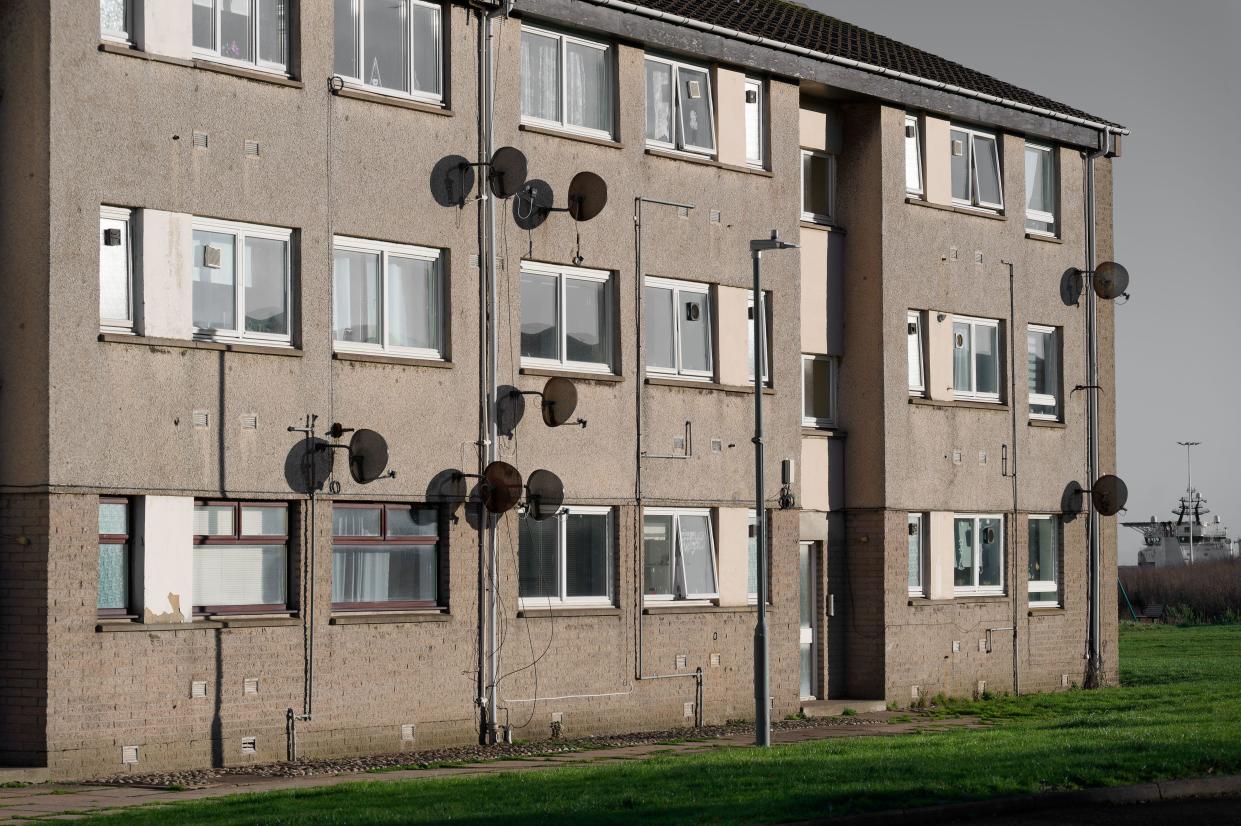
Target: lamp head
x=772, y=243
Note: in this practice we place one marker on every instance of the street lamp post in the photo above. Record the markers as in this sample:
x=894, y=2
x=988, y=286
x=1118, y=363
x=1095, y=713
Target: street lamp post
x=762, y=682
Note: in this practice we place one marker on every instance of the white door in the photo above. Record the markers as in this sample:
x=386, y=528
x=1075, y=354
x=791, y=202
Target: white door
x=809, y=636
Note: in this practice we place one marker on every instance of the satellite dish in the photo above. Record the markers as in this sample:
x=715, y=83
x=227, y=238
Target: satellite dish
x=533, y=204
x=452, y=181
x=1071, y=501
x=1109, y=495
x=447, y=486
x=501, y=487
x=545, y=494
x=559, y=401
x=508, y=172
x=1071, y=287
x=1110, y=280
x=368, y=456
x=588, y=195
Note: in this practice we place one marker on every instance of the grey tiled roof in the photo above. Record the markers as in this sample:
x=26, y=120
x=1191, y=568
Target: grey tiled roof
x=798, y=25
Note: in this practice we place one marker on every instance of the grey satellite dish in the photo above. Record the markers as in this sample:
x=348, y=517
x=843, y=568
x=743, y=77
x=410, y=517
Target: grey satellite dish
x=545, y=493
x=447, y=486
x=452, y=181
x=501, y=488
x=559, y=401
x=533, y=204
x=1109, y=495
x=1110, y=280
x=1071, y=287
x=508, y=172
x=368, y=456
x=1071, y=500
x=588, y=195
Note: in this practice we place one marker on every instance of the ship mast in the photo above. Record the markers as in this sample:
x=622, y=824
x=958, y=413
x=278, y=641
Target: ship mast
x=1190, y=503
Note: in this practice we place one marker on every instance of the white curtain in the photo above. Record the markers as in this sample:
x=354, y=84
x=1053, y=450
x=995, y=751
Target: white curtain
x=540, y=76
x=114, y=272
x=588, y=92
x=659, y=101
x=413, y=303
x=426, y=49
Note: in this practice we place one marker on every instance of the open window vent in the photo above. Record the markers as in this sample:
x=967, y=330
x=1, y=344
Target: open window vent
x=201, y=140
x=111, y=237
x=252, y=149
x=129, y=755
x=958, y=149
x=911, y=131
x=198, y=690
x=249, y=745
x=211, y=256
x=200, y=418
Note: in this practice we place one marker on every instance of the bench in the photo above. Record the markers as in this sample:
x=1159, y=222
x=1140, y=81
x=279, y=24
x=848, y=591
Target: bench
x=1152, y=612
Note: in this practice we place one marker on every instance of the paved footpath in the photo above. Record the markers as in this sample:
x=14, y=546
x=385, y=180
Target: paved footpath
x=68, y=801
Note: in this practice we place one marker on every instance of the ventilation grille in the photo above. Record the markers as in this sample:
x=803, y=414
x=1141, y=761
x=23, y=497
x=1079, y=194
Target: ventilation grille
x=201, y=140
x=689, y=710
x=474, y=261
x=682, y=661
x=249, y=421
x=683, y=211
x=129, y=755
x=715, y=216
x=201, y=418
x=252, y=149
x=250, y=685
x=407, y=733
x=715, y=660
x=198, y=690
x=249, y=745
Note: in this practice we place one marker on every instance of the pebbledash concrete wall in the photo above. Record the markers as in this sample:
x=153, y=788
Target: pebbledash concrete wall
x=113, y=417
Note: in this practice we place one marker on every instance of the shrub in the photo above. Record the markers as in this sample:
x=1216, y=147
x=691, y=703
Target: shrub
x=1206, y=593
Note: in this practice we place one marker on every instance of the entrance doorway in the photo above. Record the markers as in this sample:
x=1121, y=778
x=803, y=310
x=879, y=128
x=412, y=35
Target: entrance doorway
x=809, y=566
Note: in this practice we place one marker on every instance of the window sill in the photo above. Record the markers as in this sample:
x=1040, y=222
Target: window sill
x=960, y=210
x=706, y=160
x=408, y=361
x=389, y=617
x=392, y=100
x=737, y=389
x=1050, y=239
x=824, y=432
x=568, y=611
x=192, y=344
x=569, y=135
x=822, y=226
x=576, y=375
x=261, y=76
x=1049, y=611
x=970, y=599
x=119, y=625
x=673, y=608
x=963, y=403
x=1047, y=423
x=132, y=51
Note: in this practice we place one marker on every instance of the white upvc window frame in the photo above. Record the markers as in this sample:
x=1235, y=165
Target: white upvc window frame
x=975, y=200
x=916, y=351
x=241, y=231
x=561, y=600
x=676, y=514
x=386, y=249
x=678, y=287
x=564, y=39
x=678, y=142
x=359, y=32
x=913, y=151
x=126, y=216
x=814, y=217
x=563, y=273
x=1039, y=215
x=1045, y=586
x=815, y=421
x=917, y=525
x=973, y=394
x=751, y=330
x=759, y=108
x=976, y=589
x=1046, y=399
x=751, y=597
x=216, y=56
x=125, y=37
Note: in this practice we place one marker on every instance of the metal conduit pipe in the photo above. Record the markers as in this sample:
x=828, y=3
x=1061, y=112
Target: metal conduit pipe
x=483, y=395
x=724, y=31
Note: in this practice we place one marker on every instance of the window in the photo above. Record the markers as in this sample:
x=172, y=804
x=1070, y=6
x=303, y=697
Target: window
x=566, y=82
x=566, y=560
x=1044, y=562
x=384, y=556
x=818, y=391
x=248, y=32
x=240, y=556
x=979, y=558
x=1043, y=371
x=387, y=298
x=1041, y=180
x=393, y=46
x=566, y=317
x=818, y=175
x=754, y=122
x=976, y=358
x=113, y=557
x=976, y=169
x=917, y=378
x=917, y=555
x=679, y=113
x=116, y=269
x=678, y=555
x=913, y=156
x=751, y=587
x=767, y=361
x=116, y=20
x=678, y=328
x=241, y=281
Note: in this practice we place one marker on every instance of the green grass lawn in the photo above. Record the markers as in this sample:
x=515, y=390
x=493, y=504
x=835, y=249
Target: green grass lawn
x=1176, y=715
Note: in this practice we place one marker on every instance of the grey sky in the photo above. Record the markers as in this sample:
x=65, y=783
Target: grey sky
x=1171, y=72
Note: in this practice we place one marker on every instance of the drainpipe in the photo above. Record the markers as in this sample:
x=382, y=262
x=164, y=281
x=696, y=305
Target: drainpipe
x=1012, y=472
x=486, y=723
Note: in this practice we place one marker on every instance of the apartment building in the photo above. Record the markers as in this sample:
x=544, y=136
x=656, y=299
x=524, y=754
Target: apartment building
x=222, y=217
